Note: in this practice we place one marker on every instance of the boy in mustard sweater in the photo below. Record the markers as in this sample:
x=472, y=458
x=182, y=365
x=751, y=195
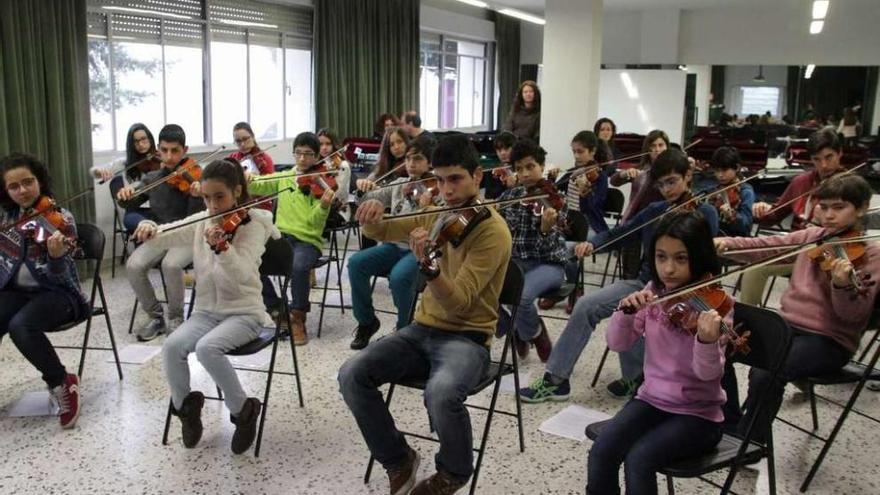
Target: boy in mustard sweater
x=448, y=343
x=300, y=217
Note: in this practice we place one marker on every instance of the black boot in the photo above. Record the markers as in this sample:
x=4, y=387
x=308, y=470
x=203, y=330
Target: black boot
x=191, y=418
x=363, y=333
x=245, y=425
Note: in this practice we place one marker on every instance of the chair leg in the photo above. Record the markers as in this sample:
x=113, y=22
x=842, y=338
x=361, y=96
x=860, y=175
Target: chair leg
x=167, y=422
x=192, y=301
x=670, y=486
x=133, y=313
x=299, y=389
x=266, y=395
x=771, y=464
x=485, y=439
x=599, y=369
x=769, y=291
x=324, y=299
x=516, y=385
x=870, y=344
x=811, y=393
x=109, y=329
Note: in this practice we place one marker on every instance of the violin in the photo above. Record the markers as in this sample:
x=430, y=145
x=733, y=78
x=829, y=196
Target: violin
x=452, y=228
x=42, y=220
x=149, y=163
x=415, y=188
x=317, y=182
x=825, y=255
x=183, y=176
x=683, y=311
x=554, y=198
x=230, y=223
x=730, y=198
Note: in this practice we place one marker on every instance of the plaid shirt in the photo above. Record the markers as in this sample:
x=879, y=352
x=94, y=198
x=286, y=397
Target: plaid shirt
x=525, y=230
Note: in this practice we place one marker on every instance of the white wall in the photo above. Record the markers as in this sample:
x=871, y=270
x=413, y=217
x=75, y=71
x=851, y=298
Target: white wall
x=445, y=21
x=653, y=100
x=704, y=89
x=743, y=75
x=531, y=43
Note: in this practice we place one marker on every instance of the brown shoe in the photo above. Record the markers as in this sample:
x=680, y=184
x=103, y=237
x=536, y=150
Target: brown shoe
x=298, y=324
x=401, y=479
x=543, y=346
x=572, y=300
x=546, y=303
x=522, y=348
x=439, y=483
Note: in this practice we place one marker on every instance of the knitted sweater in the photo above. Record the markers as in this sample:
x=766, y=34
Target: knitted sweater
x=228, y=282
x=52, y=274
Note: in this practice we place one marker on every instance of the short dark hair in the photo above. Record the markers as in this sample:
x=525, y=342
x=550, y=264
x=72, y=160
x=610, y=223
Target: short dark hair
x=30, y=162
x=598, y=125
x=824, y=138
x=725, y=157
x=422, y=144
x=230, y=172
x=525, y=148
x=693, y=230
x=412, y=118
x=455, y=150
x=851, y=188
x=173, y=133
x=307, y=139
x=504, y=139
x=670, y=162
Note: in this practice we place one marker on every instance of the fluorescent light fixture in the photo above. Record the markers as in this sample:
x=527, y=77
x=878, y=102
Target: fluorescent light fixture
x=476, y=3
x=631, y=89
x=523, y=16
x=809, y=72
x=147, y=12
x=247, y=23
x=816, y=27
x=683, y=67
x=820, y=8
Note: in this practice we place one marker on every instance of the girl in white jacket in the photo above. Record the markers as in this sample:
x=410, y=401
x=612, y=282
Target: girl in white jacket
x=229, y=309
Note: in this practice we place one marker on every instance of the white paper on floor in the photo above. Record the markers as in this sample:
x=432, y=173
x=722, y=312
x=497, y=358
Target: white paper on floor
x=136, y=354
x=256, y=361
x=36, y=403
x=507, y=383
x=571, y=422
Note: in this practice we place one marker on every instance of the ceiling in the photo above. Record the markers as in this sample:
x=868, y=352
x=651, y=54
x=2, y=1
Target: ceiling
x=537, y=6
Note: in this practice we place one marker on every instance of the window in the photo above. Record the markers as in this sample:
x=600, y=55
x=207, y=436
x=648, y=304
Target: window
x=149, y=62
x=758, y=100
x=452, y=83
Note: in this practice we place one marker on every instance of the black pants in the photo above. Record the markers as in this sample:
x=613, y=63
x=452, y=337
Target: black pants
x=811, y=354
x=26, y=316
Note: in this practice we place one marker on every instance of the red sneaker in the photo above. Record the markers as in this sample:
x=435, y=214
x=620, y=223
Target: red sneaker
x=543, y=346
x=67, y=397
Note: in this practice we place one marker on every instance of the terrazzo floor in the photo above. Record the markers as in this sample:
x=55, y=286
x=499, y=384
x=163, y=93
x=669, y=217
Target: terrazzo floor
x=116, y=445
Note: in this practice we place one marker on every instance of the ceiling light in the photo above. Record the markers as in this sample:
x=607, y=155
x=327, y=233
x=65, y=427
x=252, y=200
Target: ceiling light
x=523, y=16
x=631, y=89
x=809, y=72
x=820, y=9
x=248, y=23
x=147, y=12
x=478, y=3
x=816, y=27
x=683, y=67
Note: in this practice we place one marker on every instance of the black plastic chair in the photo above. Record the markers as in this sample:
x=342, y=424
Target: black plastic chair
x=579, y=230
x=91, y=244
x=614, y=202
x=277, y=262
x=510, y=296
x=856, y=372
x=119, y=230
x=769, y=341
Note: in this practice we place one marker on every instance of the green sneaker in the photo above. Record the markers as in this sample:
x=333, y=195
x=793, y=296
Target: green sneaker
x=542, y=390
x=623, y=387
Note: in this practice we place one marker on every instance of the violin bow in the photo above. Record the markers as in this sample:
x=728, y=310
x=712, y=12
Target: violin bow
x=27, y=218
x=252, y=155
x=412, y=181
x=814, y=188
x=284, y=175
x=450, y=209
x=175, y=172
x=862, y=238
x=147, y=158
x=241, y=207
x=800, y=248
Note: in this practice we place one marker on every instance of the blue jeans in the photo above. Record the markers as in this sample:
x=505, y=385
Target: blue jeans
x=386, y=259
x=587, y=313
x=305, y=256
x=539, y=278
x=645, y=439
x=133, y=217
x=452, y=364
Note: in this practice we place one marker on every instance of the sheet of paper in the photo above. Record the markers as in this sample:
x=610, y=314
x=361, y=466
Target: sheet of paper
x=571, y=422
x=507, y=383
x=135, y=354
x=35, y=403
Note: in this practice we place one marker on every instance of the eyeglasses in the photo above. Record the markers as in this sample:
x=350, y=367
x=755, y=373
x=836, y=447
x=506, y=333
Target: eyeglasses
x=142, y=140
x=668, y=183
x=242, y=140
x=303, y=154
x=25, y=183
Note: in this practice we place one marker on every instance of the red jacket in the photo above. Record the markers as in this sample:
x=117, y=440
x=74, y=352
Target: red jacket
x=799, y=185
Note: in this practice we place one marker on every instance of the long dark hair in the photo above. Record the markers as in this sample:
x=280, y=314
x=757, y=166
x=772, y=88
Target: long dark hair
x=30, y=162
x=244, y=126
x=231, y=173
x=646, y=144
x=379, y=126
x=387, y=161
x=693, y=230
x=331, y=135
x=131, y=154
x=519, y=103
x=591, y=141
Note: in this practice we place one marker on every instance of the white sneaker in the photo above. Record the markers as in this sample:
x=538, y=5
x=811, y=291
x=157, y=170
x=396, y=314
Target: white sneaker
x=174, y=322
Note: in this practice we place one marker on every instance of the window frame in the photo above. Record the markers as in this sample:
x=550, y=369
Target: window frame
x=206, y=24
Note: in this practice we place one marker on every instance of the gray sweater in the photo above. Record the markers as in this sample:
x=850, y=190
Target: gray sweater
x=167, y=203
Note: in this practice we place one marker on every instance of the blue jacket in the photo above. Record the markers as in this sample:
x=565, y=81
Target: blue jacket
x=647, y=214
x=742, y=225
x=592, y=206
